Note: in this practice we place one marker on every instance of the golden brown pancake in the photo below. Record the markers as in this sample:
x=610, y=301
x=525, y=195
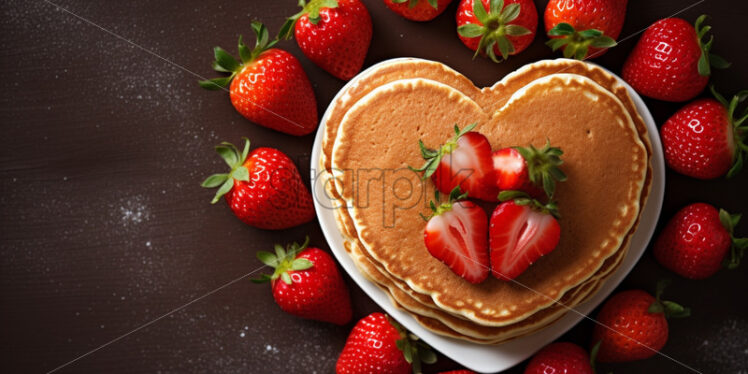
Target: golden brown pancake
x=494, y=303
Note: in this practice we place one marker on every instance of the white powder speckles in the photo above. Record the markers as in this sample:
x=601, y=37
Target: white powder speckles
x=242, y=334
x=726, y=348
x=134, y=211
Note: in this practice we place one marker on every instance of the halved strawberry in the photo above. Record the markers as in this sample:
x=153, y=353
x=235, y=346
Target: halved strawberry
x=530, y=170
x=521, y=230
x=456, y=235
x=464, y=161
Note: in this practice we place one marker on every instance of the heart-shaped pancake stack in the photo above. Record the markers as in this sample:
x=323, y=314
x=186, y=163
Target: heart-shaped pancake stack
x=371, y=135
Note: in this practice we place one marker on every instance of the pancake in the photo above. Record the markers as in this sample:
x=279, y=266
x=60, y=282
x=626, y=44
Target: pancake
x=468, y=329
x=482, y=303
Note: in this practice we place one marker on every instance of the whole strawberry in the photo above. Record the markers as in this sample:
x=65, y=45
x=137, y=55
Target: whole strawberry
x=584, y=28
x=671, y=62
x=334, y=34
x=268, y=87
x=495, y=27
x=560, y=358
x=379, y=345
x=465, y=161
x=263, y=188
x=632, y=325
x=418, y=10
x=703, y=140
x=306, y=283
x=695, y=242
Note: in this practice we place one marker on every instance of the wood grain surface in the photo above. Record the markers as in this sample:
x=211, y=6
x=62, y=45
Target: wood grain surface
x=104, y=228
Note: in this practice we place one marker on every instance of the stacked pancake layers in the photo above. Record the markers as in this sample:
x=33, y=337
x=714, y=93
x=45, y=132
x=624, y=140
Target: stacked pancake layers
x=371, y=132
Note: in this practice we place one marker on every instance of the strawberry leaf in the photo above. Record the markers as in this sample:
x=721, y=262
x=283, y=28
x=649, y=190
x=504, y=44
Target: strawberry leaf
x=434, y=3
x=480, y=11
x=561, y=29
x=470, y=30
x=673, y=310
x=215, y=84
x=228, y=154
x=214, y=180
x=301, y=264
x=241, y=174
x=224, y=189
x=510, y=13
x=286, y=278
x=268, y=258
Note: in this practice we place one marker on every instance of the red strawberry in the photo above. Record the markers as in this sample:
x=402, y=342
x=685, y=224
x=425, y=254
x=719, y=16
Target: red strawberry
x=632, y=325
x=464, y=161
x=263, y=189
x=334, y=34
x=520, y=232
x=418, y=10
x=456, y=235
x=584, y=28
x=696, y=240
x=560, y=358
x=268, y=87
x=530, y=170
x=490, y=28
x=670, y=62
x=310, y=285
x=379, y=345
x=703, y=140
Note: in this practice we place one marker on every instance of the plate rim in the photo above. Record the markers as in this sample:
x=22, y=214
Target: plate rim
x=494, y=358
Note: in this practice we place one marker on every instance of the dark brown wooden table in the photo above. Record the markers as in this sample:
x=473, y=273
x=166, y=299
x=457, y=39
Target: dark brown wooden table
x=104, y=228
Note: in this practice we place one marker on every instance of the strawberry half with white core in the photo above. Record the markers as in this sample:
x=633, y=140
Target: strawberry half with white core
x=464, y=161
x=530, y=170
x=456, y=235
x=520, y=232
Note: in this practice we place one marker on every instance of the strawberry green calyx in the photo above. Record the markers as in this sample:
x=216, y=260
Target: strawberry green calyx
x=494, y=29
x=707, y=59
x=454, y=196
x=225, y=63
x=543, y=166
x=235, y=160
x=413, y=348
x=412, y=3
x=739, y=245
x=739, y=131
x=434, y=156
x=312, y=9
x=283, y=261
x=577, y=43
x=522, y=198
x=669, y=308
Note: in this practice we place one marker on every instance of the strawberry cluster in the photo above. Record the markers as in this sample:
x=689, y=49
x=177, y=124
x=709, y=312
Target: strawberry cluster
x=521, y=228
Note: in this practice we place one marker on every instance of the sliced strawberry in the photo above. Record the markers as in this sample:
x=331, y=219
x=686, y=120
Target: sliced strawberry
x=456, y=235
x=530, y=170
x=464, y=161
x=521, y=230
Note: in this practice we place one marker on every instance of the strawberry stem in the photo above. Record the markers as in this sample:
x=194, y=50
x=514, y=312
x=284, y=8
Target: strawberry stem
x=454, y=196
x=738, y=245
x=543, y=166
x=283, y=261
x=235, y=160
x=669, y=308
x=412, y=3
x=739, y=132
x=494, y=28
x=522, y=198
x=434, y=157
x=225, y=63
x=414, y=350
x=577, y=43
x=312, y=9
x=707, y=59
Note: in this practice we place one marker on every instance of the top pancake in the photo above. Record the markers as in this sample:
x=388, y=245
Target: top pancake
x=606, y=167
